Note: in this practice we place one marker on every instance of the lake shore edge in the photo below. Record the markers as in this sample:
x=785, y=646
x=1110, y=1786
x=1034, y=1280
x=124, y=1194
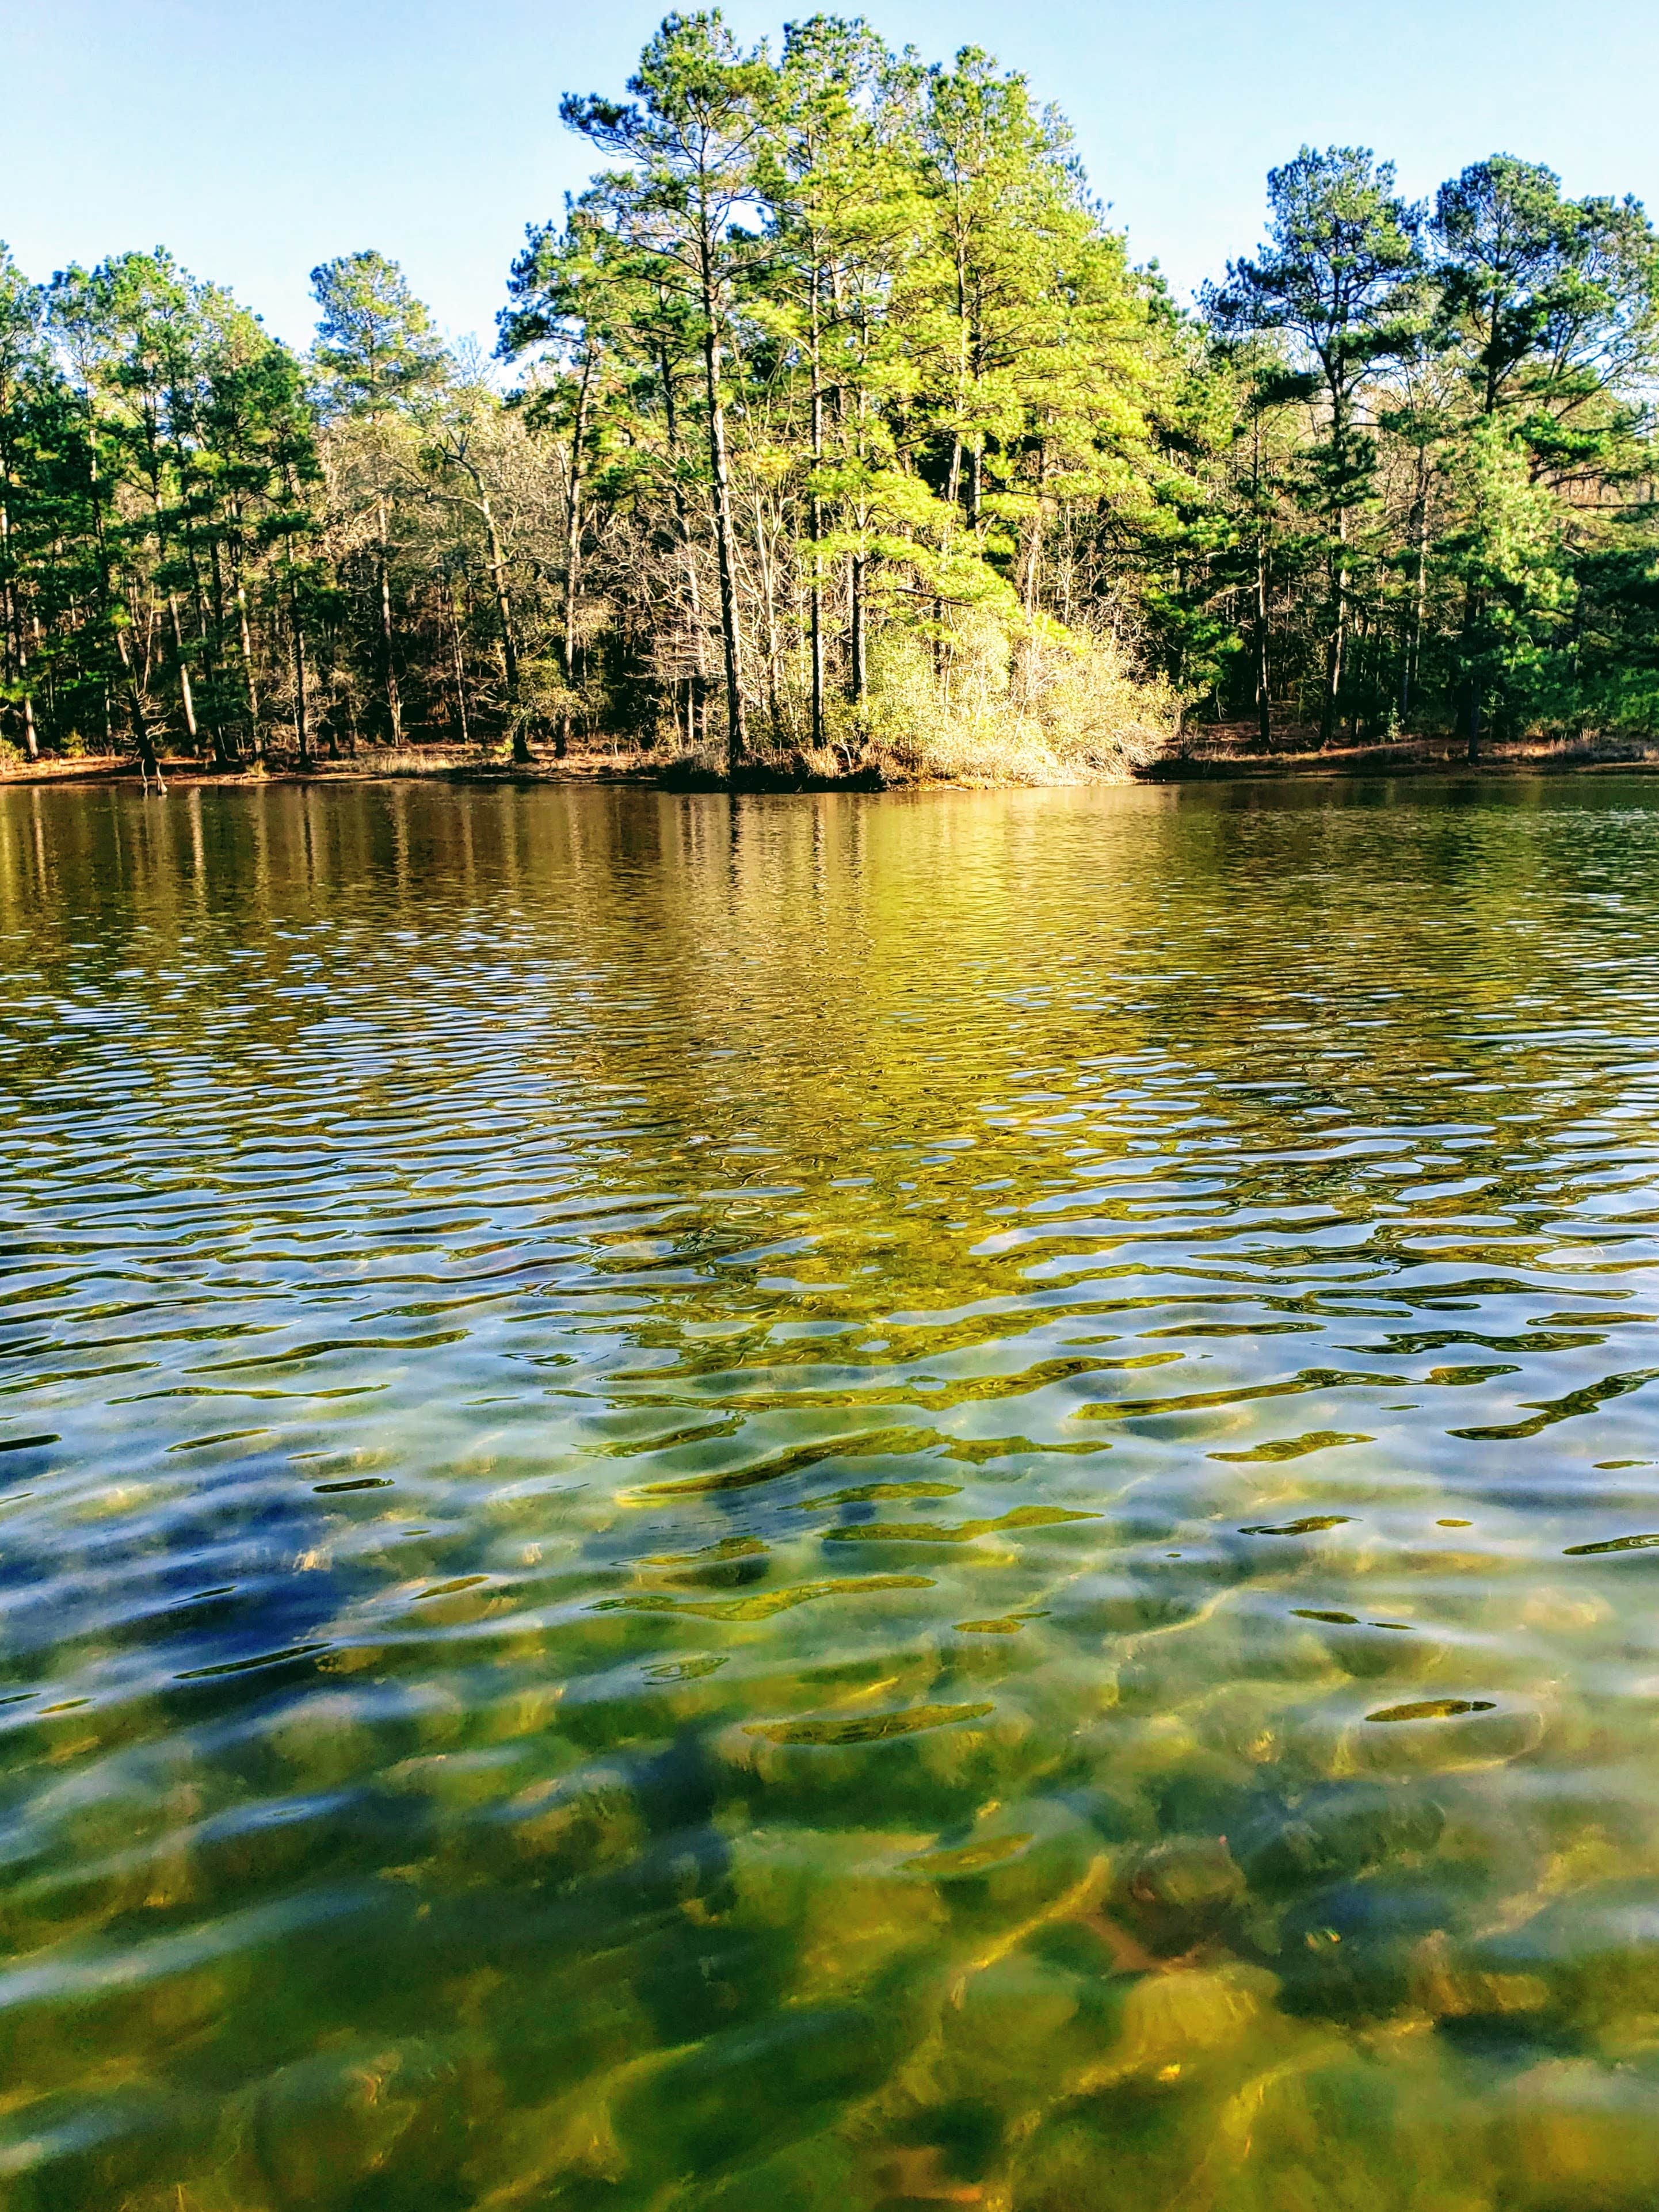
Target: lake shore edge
x=1193, y=761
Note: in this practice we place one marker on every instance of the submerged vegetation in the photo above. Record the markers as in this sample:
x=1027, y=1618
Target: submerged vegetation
x=835, y=424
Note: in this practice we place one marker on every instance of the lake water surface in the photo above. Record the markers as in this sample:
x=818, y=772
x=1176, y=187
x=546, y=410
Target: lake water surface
x=829, y=1502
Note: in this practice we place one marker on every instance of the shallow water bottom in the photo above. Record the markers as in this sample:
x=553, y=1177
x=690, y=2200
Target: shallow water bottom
x=830, y=1502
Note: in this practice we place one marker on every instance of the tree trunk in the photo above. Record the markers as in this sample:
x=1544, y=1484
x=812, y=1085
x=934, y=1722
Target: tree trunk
x=222, y=756
x=1034, y=548
x=573, y=544
x=1414, y=627
x=19, y=650
x=858, y=681
x=504, y=616
x=250, y=686
x=302, y=715
x=1333, y=652
x=954, y=483
x=31, y=741
x=1264, y=697
x=858, y=672
x=1419, y=607
x=181, y=669
x=1264, y=704
x=457, y=661
x=388, y=673
x=50, y=681
x=767, y=569
x=222, y=745
x=205, y=631
x=816, y=526
x=143, y=743
x=1327, y=719
x=1472, y=684
x=696, y=690
x=725, y=544
x=187, y=697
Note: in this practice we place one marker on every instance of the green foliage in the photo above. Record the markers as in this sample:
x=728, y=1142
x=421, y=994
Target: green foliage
x=844, y=428
x=375, y=349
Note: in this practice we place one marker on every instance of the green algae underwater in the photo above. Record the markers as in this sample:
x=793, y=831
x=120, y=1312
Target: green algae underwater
x=830, y=1503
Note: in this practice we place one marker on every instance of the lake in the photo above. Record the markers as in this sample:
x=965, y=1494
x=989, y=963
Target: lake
x=830, y=1502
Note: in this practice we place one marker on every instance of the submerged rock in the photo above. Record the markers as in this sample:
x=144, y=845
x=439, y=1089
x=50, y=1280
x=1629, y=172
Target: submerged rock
x=327, y=2129
x=1339, y=1830
x=1348, y=1952
x=1172, y=2022
x=1180, y=1892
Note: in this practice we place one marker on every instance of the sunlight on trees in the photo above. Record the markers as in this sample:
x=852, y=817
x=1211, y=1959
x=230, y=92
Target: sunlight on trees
x=834, y=425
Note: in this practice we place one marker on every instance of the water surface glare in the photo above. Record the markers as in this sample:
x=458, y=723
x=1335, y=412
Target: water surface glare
x=830, y=1503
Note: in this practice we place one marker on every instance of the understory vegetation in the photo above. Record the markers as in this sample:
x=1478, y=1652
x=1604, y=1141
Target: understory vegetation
x=834, y=425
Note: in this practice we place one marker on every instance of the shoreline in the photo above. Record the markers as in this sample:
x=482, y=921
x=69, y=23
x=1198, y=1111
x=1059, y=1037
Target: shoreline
x=1416, y=758
x=1411, y=756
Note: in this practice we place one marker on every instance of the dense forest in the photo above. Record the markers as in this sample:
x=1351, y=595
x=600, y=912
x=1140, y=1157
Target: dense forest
x=835, y=422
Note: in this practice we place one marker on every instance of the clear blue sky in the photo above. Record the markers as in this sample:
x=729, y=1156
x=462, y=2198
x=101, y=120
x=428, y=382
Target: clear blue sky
x=256, y=138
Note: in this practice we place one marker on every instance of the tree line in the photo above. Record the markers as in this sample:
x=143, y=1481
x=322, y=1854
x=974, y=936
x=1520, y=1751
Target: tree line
x=834, y=419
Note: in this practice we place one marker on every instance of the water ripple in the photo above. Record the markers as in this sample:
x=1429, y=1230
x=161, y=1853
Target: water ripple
x=830, y=1502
